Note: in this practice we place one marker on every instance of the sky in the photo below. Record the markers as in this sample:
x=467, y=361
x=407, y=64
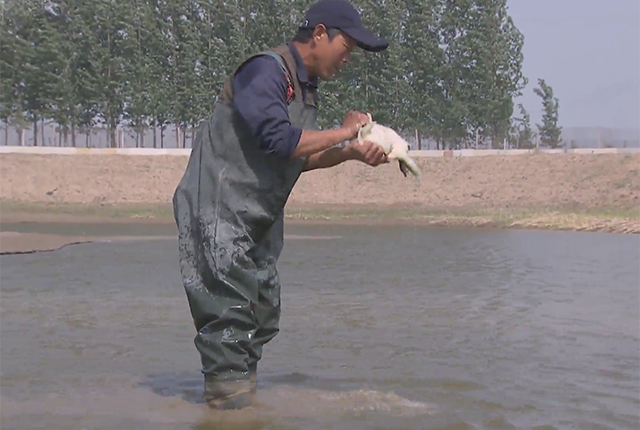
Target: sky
x=589, y=52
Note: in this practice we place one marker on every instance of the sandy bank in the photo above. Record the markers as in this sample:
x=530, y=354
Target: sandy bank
x=551, y=191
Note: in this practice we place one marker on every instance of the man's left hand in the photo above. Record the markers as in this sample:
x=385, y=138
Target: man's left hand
x=368, y=152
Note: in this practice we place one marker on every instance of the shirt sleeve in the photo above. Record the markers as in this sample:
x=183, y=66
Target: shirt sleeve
x=259, y=95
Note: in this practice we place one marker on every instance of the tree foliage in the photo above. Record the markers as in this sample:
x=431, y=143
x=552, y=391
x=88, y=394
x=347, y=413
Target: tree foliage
x=522, y=135
x=549, y=131
x=451, y=73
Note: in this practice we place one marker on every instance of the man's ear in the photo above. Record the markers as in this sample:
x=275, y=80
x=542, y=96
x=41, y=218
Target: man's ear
x=319, y=31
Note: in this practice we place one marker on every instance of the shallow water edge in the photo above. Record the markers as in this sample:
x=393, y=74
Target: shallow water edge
x=382, y=328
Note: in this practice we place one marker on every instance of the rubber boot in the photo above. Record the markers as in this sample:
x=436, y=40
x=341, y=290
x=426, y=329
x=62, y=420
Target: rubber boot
x=224, y=395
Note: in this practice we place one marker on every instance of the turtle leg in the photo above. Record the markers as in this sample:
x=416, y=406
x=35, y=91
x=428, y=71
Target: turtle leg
x=403, y=167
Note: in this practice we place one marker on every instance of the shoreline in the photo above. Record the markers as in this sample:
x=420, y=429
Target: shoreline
x=12, y=243
x=16, y=217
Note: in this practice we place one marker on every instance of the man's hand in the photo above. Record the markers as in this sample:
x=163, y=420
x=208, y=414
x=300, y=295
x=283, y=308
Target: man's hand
x=314, y=141
x=368, y=152
x=354, y=121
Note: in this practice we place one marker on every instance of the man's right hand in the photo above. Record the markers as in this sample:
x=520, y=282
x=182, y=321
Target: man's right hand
x=315, y=141
x=354, y=121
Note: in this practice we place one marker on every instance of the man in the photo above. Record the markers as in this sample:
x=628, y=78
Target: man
x=229, y=204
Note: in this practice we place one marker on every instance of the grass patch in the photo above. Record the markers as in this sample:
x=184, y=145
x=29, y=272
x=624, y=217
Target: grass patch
x=607, y=219
x=564, y=218
x=500, y=215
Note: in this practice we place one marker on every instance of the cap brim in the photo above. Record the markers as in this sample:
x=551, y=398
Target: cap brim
x=365, y=39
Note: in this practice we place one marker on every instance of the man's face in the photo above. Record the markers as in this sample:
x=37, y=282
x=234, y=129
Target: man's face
x=331, y=55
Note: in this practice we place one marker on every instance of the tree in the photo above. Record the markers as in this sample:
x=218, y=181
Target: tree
x=523, y=135
x=36, y=55
x=499, y=59
x=424, y=67
x=373, y=82
x=482, y=70
x=9, y=67
x=549, y=131
x=452, y=69
x=455, y=95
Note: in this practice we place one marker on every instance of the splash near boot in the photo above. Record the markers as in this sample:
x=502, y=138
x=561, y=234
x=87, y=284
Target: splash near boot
x=225, y=395
x=393, y=144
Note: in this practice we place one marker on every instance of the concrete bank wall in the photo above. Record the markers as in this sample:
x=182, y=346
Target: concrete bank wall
x=417, y=154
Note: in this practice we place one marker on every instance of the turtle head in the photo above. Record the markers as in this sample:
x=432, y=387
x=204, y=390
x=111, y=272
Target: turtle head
x=364, y=131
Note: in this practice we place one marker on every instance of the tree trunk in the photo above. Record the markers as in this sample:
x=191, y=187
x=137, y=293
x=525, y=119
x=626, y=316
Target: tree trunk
x=112, y=131
x=35, y=130
x=154, y=134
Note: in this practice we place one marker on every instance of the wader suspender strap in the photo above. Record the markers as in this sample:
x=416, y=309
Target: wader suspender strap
x=290, y=93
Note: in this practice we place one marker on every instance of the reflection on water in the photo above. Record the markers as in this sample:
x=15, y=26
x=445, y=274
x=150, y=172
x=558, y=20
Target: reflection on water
x=382, y=327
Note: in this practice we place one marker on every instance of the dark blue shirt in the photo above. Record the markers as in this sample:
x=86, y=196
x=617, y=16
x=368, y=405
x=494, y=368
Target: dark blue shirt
x=259, y=94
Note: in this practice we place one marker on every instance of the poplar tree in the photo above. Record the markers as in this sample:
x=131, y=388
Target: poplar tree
x=549, y=132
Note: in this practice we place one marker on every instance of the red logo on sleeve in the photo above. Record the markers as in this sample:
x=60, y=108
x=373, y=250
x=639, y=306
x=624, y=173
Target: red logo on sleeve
x=290, y=93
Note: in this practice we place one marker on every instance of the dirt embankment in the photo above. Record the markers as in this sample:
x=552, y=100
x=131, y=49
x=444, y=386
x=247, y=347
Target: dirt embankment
x=592, y=192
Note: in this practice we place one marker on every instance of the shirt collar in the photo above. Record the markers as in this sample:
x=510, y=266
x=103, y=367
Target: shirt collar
x=302, y=72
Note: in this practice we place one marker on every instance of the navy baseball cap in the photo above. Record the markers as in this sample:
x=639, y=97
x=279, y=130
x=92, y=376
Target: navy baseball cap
x=342, y=15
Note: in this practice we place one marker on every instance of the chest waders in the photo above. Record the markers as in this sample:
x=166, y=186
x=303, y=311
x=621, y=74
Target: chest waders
x=229, y=209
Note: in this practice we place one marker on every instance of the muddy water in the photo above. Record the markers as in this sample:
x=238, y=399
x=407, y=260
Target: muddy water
x=382, y=328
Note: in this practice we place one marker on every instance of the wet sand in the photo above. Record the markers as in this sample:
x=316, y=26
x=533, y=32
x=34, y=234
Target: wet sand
x=12, y=242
